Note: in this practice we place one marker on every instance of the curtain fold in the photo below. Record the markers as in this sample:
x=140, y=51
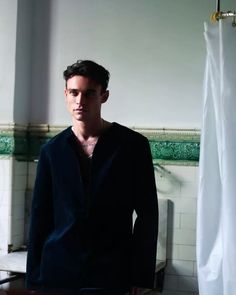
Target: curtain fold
x=216, y=215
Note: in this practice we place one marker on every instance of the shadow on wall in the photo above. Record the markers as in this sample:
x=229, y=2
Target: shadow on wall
x=41, y=37
x=23, y=60
x=170, y=182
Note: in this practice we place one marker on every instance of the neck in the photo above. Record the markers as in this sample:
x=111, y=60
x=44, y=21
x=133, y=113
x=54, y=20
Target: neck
x=84, y=130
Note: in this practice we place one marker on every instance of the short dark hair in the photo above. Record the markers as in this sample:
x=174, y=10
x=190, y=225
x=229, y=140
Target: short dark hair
x=90, y=69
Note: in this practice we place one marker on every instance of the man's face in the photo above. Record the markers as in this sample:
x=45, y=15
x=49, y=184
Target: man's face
x=84, y=98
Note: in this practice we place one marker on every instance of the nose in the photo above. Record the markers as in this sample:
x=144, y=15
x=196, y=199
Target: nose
x=79, y=98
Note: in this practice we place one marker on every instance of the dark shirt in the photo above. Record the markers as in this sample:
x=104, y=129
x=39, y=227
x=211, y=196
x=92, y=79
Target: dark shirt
x=82, y=235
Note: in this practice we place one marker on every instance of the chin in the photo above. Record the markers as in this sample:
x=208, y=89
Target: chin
x=80, y=118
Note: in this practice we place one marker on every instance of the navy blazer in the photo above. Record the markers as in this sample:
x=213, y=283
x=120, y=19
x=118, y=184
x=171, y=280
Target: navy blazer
x=88, y=240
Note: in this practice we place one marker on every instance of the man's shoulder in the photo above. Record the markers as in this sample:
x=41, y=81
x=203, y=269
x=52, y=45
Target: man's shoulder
x=58, y=140
x=128, y=133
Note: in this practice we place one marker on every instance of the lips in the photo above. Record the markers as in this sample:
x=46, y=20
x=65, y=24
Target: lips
x=81, y=110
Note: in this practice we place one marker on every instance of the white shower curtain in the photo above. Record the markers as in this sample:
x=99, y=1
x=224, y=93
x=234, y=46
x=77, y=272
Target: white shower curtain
x=216, y=217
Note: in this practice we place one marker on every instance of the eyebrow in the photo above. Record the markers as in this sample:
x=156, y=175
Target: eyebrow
x=76, y=89
x=72, y=89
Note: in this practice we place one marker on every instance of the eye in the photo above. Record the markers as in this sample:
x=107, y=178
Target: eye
x=90, y=93
x=73, y=92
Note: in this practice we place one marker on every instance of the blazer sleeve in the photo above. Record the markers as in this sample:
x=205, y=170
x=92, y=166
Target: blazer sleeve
x=41, y=220
x=145, y=229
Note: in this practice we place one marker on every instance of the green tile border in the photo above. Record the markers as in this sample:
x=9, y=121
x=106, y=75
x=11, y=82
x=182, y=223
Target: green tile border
x=168, y=146
x=13, y=140
x=175, y=151
x=7, y=144
x=174, y=146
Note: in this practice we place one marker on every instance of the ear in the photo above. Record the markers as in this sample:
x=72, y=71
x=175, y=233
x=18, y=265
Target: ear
x=65, y=93
x=105, y=96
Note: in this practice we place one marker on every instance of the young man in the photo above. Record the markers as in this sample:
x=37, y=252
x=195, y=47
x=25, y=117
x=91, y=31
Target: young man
x=90, y=179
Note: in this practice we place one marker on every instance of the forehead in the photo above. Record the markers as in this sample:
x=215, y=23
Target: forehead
x=81, y=82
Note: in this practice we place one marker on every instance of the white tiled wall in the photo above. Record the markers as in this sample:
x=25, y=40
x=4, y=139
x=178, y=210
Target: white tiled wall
x=179, y=185
x=18, y=203
x=5, y=201
x=5, y=197
x=31, y=174
x=13, y=183
x=32, y=166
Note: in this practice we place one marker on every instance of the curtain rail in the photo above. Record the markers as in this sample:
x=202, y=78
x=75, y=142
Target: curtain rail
x=222, y=15
x=218, y=15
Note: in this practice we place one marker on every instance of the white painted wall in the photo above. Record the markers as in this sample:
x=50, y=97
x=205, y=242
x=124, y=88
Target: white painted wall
x=154, y=50
x=8, y=19
x=15, y=60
